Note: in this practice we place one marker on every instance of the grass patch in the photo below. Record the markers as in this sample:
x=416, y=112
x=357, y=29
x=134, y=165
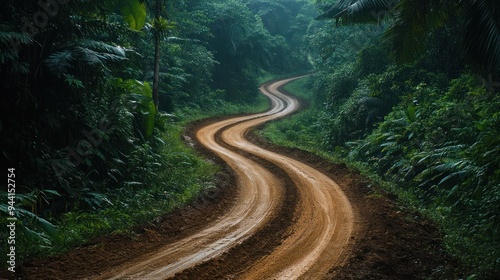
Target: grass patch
x=221, y=108
x=300, y=130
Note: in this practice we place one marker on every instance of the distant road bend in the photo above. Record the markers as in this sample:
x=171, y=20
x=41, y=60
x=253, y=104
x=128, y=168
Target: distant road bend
x=323, y=218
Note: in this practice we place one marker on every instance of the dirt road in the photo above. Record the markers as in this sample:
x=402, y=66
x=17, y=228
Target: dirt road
x=272, y=216
x=322, y=221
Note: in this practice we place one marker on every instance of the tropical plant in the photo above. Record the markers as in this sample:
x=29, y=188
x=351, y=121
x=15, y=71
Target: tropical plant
x=412, y=21
x=82, y=100
x=443, y=155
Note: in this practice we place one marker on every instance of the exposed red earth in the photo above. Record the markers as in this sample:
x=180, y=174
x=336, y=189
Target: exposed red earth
x=323, y=219
x=277, y=214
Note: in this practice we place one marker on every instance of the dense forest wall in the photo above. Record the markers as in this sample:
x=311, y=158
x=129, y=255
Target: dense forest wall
x=95, y=94
x=401, y=93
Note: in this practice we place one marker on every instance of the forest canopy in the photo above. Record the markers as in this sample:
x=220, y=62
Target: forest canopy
x=95, y=95
x=407, y=91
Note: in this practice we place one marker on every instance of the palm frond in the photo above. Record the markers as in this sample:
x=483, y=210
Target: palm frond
x=414, y=20
x=482, y=35
x=89, y=52
x=447, y=174
x=331, y=11
x=358, y=11
x=9, y=44
x=103, y=47
x=92, y=57
x=438, y=154
x=21, y=37
x=60, y=62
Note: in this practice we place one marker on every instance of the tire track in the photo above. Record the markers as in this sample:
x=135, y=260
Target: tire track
x=323, y=219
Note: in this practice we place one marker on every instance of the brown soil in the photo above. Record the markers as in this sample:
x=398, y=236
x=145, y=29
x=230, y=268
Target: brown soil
x=389, y=242
x=393, y=242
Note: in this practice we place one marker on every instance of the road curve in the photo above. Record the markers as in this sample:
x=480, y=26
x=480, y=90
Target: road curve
x=323, y=220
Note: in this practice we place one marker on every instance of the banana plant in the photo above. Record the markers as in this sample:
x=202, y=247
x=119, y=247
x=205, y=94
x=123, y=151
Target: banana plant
x=133, y=12
x=140, y=97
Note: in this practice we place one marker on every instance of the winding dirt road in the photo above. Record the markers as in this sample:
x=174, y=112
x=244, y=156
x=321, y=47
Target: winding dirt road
x=320, y=226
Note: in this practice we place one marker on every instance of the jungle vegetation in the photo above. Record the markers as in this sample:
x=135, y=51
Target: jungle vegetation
x=95, y=95
x=408, y=92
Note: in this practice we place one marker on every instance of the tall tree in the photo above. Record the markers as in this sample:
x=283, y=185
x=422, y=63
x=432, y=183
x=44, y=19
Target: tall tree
x=240, y=45
x=414, y=20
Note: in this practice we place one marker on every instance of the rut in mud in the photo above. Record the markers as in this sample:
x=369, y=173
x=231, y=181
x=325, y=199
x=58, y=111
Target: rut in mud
x=272, y=217
x=323, y=219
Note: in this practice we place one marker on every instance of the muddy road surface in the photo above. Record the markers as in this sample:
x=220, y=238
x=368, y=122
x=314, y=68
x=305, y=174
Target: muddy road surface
x=314, y=239
x=285, y=214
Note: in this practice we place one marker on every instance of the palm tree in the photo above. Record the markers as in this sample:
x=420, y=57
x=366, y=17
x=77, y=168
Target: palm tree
x=413, y=20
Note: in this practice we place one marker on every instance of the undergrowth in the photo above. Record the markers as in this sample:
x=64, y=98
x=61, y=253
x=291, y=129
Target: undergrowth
x=163, y=173
x=439, y=156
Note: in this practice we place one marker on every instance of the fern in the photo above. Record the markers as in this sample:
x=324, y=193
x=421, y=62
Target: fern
x=60, y=62
x=9, y=50
x=103, y=47
x=73, y=82
x=87, y=52
x=92, y=57
x=8, y=37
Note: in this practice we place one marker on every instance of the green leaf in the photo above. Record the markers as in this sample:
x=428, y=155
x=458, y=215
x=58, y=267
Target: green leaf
x=45, y=225
x=146, y=90
x=134, y=13
x=53, y=192
x=411, y=113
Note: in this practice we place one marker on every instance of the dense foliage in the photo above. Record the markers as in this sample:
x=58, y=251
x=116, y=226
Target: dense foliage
x=427, y=128
x=95, y=94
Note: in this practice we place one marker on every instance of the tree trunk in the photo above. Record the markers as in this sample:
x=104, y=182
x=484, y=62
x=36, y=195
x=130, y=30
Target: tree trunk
x=156, y=77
